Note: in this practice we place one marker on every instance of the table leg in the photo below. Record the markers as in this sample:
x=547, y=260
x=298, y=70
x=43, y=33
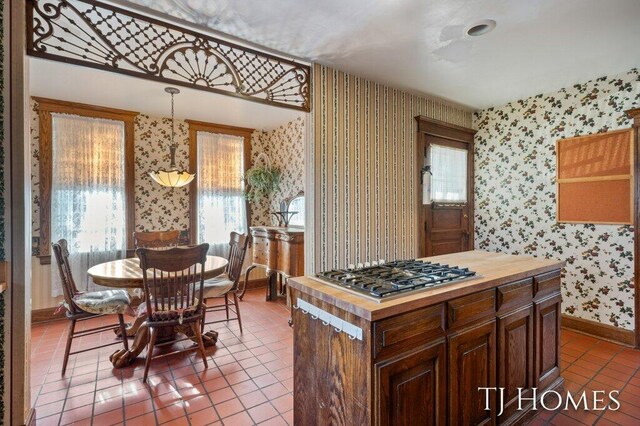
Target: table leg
x=132, y=329
x=121, y=358
x=209, y=338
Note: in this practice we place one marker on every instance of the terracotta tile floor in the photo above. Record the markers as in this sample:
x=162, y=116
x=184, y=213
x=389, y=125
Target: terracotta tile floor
x=595, y=365
x=249, y=379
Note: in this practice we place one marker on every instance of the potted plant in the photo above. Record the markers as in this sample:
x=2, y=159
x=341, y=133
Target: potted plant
x=261, y=180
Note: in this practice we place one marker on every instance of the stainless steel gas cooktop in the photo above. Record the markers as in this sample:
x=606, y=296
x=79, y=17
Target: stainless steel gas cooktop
x=383, y=280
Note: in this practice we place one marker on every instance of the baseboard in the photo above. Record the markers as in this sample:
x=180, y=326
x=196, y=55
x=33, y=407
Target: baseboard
x=257, y=283
x=49, y=314
x=599, y=330
x=46, y=315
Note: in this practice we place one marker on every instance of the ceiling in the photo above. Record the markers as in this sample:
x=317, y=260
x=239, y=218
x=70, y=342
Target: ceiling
x=65, y=82
x=538, y=46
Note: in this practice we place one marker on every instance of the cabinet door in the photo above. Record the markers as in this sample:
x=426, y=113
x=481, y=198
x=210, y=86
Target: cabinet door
x=547, y=341
x=515, y=358
x=412, y=386
x=472, y=365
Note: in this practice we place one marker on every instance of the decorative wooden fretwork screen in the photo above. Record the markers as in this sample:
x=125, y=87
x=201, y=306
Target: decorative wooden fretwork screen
x=97, y=35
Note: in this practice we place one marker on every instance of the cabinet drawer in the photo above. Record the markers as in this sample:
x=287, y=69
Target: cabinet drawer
x=468, y=309
x=514, y=295
x=400, y=333
x=546, y=284
x=260, y=250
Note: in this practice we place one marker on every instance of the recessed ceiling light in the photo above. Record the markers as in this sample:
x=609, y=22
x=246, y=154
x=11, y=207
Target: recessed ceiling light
x=481, y=28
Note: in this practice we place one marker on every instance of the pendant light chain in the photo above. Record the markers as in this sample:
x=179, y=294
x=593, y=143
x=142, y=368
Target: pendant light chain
x=173, y=126
x=172, y=177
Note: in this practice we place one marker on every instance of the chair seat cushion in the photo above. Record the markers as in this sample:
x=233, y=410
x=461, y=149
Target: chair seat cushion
x=170, y=314
x=104, y=302
x=218, y=286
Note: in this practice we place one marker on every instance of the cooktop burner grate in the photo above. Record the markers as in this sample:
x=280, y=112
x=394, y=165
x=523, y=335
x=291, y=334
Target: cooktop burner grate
x=383, y=280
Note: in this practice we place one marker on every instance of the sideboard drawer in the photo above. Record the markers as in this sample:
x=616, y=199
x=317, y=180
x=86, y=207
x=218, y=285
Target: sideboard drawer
x=261, y=250
x=468, y=309
x=397, y=334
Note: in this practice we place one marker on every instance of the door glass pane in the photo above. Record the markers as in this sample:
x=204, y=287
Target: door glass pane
x=449, y=168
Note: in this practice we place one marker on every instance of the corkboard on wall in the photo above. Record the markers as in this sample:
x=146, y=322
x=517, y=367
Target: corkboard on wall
x=594, y=178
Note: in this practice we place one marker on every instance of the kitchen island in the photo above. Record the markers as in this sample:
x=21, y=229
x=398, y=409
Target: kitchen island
x=421, y=358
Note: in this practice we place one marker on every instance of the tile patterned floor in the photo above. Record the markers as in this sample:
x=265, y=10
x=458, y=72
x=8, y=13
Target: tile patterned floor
x=591, y=364
x=250, y=378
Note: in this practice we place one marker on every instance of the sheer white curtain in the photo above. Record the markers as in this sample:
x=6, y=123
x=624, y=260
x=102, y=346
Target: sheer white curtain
x=88, y=194
x=221, y=204
x=449, y=168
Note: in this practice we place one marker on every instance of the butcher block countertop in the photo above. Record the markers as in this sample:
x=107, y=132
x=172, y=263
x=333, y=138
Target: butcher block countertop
x=492, y=270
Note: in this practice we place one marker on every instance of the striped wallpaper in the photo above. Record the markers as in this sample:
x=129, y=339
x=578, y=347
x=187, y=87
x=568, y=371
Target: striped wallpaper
x=364, y=168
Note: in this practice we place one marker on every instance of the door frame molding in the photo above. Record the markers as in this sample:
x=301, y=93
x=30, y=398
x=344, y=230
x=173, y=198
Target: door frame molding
x=431, y=127
x=17, y=339
x=634, y=114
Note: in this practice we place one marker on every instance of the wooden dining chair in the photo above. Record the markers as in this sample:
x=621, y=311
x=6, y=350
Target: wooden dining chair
x=156, y=239
x=227, y=283
x=173, y=284
x=81, y=306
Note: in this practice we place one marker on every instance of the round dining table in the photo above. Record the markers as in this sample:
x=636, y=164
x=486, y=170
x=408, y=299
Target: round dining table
x=126, y=273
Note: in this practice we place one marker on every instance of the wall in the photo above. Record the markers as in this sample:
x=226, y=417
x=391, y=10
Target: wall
x=364, y=141
x=285, y=148
x=158, y=207
x=515, y=192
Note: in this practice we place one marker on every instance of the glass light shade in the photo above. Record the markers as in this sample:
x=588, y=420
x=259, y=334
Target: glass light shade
x=172, y=178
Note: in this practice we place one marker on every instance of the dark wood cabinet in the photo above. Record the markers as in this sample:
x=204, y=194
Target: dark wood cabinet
x=472, y=365
x=547, y=340
x=515, y=359
x=412, y=387
x=425, y=365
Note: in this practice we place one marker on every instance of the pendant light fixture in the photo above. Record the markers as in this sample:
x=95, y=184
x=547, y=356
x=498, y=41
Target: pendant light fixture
x=172, y=177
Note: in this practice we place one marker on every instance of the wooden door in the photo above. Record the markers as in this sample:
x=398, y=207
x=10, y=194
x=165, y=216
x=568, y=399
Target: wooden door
x=515, y=359
x=547, y=340
x=412, y=387
x=472, y=365
x=445, y=225
x=447, y=228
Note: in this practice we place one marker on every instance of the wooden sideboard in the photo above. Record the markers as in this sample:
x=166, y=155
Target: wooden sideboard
x=280, y=251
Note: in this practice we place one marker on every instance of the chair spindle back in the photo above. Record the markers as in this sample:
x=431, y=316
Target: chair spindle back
x=238, y=244
x=156, y=239
x=173, y=279
x=69, y=289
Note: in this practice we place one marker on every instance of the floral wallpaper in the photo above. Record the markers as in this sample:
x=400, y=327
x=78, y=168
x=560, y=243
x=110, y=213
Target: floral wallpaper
x=515, y=192
x=285, y=148
x=158, y=207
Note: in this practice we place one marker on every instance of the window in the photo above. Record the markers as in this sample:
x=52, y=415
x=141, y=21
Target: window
x=449, y=179
x=86, y=181
x=295, y=204
x=219, y=155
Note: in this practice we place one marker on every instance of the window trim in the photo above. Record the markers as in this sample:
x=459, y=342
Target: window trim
x=46, y=107
x=201, y=126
